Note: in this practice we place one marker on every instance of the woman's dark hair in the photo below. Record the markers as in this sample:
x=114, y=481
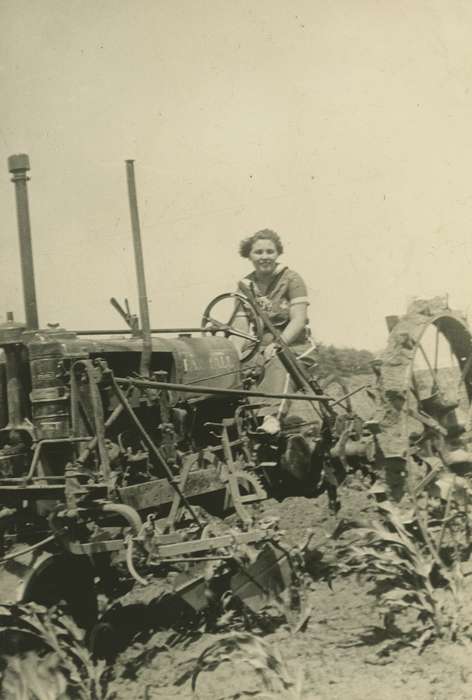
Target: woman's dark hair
x=246, y=244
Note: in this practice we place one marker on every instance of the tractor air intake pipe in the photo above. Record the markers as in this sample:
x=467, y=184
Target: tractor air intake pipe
x=18, y=166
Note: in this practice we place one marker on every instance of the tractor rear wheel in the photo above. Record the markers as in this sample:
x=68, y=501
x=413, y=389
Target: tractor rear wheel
x=425, y=391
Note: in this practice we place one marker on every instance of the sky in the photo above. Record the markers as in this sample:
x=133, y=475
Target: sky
x=344, y=125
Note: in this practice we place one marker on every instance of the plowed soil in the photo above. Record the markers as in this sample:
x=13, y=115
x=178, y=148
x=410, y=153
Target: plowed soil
x=336, y=654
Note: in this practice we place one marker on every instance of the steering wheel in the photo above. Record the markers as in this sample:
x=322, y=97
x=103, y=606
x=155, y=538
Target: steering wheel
x=229, y=306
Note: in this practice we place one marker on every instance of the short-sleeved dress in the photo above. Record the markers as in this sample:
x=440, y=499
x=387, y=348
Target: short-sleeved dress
x=286, y=289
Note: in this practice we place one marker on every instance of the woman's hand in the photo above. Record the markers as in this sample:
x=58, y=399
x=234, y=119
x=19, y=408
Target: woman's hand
x=269, y=351
x=298, y=317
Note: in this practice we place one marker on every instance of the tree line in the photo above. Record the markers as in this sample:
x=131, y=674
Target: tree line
x=343, y=360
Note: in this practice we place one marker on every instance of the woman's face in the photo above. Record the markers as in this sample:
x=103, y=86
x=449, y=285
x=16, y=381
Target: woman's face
x=264, y=256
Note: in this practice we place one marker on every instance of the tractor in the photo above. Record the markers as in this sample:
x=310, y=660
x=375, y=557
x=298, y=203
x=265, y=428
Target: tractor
x=141, y=448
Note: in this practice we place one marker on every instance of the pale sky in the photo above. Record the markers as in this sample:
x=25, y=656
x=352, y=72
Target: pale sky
x=345, y=125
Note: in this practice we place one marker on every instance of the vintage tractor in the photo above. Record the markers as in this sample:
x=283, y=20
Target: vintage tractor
x=129, y=448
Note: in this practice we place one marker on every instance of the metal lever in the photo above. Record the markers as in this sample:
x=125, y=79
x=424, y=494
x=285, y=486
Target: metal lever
x=130, y=319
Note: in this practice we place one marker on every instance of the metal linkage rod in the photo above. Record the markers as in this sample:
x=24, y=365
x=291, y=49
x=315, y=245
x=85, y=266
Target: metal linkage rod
x=339, y=402
x=212, y=330
x=216, y=376
x=128, y=331
x=94, y=441
x=154, y=450
x=238, y=393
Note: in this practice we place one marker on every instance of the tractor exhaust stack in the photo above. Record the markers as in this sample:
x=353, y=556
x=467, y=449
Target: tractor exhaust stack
x=18, y=165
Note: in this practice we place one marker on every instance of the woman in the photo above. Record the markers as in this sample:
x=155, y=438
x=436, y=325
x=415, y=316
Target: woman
x=282, y=294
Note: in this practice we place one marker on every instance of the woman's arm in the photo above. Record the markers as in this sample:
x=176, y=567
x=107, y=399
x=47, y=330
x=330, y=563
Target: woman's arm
x=240, y=323
x=298, y=318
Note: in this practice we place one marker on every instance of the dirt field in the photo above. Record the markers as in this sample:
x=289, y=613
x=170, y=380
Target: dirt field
x=335, y=655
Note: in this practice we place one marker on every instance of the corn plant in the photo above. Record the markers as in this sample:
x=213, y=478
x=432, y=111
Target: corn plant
x=277, y=682
x=404, y=554
x=33, y=678
x=293, y=605
x=60, y=647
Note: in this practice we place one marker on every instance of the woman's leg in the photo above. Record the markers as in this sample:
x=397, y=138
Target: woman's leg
x=276, y=380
